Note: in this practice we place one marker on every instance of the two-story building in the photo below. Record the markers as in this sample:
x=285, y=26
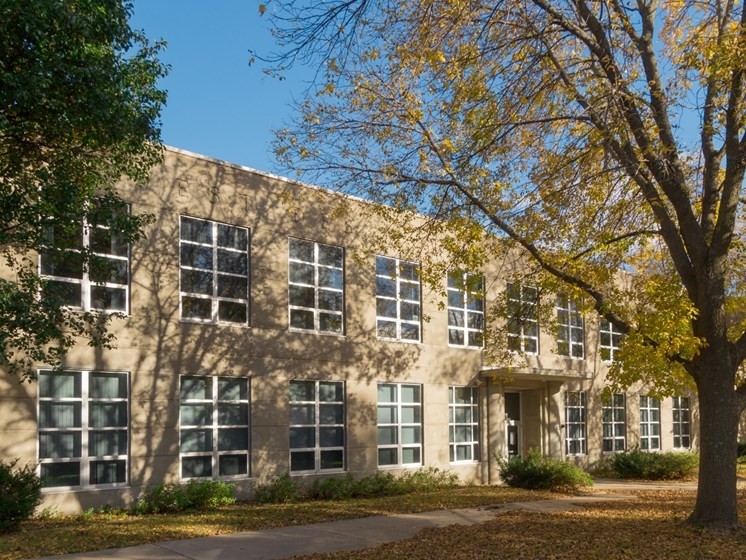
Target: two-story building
x=260, y=338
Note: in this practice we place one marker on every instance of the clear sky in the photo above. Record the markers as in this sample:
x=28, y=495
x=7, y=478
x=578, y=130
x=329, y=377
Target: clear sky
x=218, y=105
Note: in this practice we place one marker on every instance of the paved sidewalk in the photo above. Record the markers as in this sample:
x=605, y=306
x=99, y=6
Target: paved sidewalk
x=352, y=534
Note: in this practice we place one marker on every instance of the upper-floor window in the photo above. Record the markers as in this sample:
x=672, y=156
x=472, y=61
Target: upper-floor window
x=83, y=429
x=214, y=262
x=397, y=300
x=614, y=422
x=570, y=328
x=682, y=423
x=214, y=426
x=650, y=423
x=317, y=426
x=523, y=325
x=101, y=284
x=465, y=310
x=315, y=286
x=610, y=340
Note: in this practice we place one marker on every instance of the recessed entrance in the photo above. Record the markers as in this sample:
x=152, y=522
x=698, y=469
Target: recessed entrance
x=513, y=434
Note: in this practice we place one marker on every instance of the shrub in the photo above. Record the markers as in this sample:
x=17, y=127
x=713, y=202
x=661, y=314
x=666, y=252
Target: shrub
x=672, y=465
x=335, y=488
x=20, y=493
x=426, y=480
x=195, y=495
x=281, y=490
x=535, y=472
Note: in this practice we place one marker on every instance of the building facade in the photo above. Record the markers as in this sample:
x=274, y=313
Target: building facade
x=259, y=338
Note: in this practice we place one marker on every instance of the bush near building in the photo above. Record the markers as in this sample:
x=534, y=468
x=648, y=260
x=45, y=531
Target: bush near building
x=20, y=493
x=535, y=472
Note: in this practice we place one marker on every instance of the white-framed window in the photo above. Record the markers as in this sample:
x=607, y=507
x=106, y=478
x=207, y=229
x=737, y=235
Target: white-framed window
x=650, y=423
x=465, y=310
x=682, y=423
x=570, y=328
x=317, y=426
x=83, y=429
x=610, y=340
x=102, y=284
x=397, y=300
x=463, y=423
x=614, y=422
x=214, y=272
x=523, y=325
x=214, y=427
x=399, y=424
x=575, y=423
x=315, y=286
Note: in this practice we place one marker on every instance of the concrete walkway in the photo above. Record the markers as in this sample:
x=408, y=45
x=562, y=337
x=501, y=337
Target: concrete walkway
x=352, y=534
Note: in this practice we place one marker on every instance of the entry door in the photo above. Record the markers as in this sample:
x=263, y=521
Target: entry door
x=512, y=424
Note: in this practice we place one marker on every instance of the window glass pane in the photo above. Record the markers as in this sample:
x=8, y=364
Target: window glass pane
x=196, y=467
x=68, y=293
x=302, y=391
x=199, y=231
x=107, y=414
x=331, y=437
x=302, y=437
x=233, y=439
x=232, y=389
x=410, y=414
x=233, y=262
x=59, y=445
x=330, y=322
x=330, y=392
x=106, y=443
x=108, y=472
x=386, y=329
x=387, y=456
x=410, y=332
x=330, y=278
x=196, y=414
x=302, y=296
x=233, y=465
x=196, y=308
x=196, y=388
x=331, y=301
x=114, y=299
x=332, y=459
x=410, y=455
x=233, y=237
x=301, y=273
x=385, y=287
x=63, y=385
x=235, y=287
x=331, y=414
x=196, y=441
x=410, y=434
x=108, y=386
x=410, y=393
x=302, y=414
x=232, y=312
x=386, y=392
x=330, y=256
x=386, y=414
x=387, y=435
x=230, y=414
x=59, y=414
x=301, y=319
x=302, y=461
x=60, y=474
x=196, y=256
x=301, y=250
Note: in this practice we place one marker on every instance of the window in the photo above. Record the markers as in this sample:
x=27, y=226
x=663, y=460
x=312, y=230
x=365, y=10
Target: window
x=570, y=328
x=399, y=424
x=463, y=423
x=681, y=423
x=214, y=426
x=465, y=310
x=611, y=340
x=575, y=426
x=214, y=272
x=317, y=426
x=397, y=300
x=614, y=413
x=83, y=429
x=100, y=285
x=316, y=286
x=650, y=423
x=523, y=326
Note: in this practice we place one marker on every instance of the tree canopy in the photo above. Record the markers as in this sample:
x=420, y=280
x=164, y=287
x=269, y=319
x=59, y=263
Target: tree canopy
x=79, y=110
x=597, y=136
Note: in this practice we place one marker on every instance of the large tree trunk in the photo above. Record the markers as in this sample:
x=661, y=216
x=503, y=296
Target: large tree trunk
x=717, y=504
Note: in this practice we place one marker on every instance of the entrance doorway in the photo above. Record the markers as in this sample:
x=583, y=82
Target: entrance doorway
x=513, y=434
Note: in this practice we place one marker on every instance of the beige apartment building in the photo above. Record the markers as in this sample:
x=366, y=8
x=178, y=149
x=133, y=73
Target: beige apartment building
x=260, y=338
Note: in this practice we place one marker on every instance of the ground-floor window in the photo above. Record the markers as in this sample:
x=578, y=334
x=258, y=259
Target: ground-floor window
x=575, y=423
x=650, y=423
x=214, y=426
x=399, y=424
x=681, y=423
x=317, y=426
x=83, y=429
x=614, y=413
x=463, y=423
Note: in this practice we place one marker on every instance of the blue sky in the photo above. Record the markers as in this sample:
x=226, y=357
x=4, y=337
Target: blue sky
x=218, y=105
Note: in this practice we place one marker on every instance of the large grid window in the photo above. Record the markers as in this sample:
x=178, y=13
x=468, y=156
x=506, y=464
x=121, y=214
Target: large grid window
x=397, y=300
x=570, y=328
x=399, y=424
x=575, y=423
x=317, y=426
x=83, y=429
x=614, y=416
x=682, y=423
x=523, y=325
x=214, y=426
x=214, y=260
x=100, y=285
x=611, y=340
x=316, y=286
x=650, y=423
x=465, y=310
x=463, y=423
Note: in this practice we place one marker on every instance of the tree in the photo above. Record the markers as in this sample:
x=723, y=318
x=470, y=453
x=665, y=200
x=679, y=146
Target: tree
x=79, y=110
x=597, y=136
